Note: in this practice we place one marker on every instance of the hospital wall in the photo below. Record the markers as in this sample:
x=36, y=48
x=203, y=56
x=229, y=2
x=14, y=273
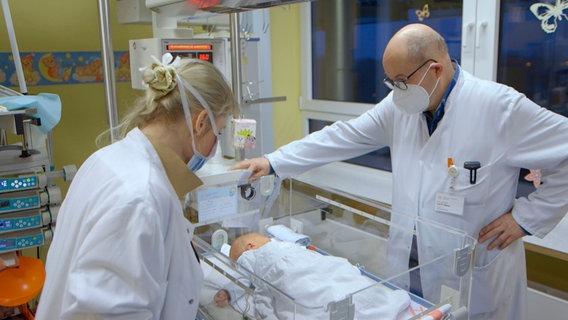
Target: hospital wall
x=285, y=47
x=73, y=26
x=64, y=26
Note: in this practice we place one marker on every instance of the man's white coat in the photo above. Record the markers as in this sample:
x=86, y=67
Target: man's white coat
x=486, y=122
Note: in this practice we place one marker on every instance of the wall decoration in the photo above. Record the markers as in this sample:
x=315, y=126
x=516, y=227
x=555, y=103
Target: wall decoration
x=535, y=175
x=49, y=68
x=550, y=14
x=424, y=13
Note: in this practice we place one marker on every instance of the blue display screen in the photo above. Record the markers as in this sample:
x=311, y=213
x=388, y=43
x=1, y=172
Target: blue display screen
x=8, y=184
x=7, y=243
x=5, y=224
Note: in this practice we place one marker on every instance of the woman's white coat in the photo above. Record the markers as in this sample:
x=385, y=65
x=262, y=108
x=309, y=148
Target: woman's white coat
x=125, y=251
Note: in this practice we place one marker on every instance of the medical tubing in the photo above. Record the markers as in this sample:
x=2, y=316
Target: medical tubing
x=14, y=46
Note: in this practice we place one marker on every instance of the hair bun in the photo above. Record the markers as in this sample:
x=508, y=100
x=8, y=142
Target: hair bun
x=160, y=78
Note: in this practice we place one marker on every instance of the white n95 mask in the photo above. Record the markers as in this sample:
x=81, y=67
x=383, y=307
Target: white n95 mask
x=414, y=99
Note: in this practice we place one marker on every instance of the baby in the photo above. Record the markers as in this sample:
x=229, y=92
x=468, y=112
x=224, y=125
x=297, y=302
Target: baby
x=313, y=280
x=222, y=298
x=247, y=242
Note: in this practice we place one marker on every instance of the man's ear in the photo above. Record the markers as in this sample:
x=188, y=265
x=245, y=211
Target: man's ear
x=249, y=246
x=438, y=68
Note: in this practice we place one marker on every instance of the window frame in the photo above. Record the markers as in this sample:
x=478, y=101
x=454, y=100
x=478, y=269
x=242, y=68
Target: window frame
x=480, y=22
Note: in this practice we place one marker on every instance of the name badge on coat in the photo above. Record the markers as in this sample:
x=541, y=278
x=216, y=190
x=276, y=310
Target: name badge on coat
x=449, y=203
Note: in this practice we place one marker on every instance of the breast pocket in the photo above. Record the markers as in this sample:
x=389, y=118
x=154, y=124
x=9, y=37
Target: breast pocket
x=475, y=193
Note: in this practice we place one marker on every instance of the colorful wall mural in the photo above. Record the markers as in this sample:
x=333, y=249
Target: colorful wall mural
x=49, y=68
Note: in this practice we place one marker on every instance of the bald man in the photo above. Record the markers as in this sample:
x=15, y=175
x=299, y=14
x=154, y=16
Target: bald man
x=457, y=146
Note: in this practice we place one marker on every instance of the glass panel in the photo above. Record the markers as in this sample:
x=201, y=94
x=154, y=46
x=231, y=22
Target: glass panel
x=338, y=257
x=349, y=37
x=533, y=56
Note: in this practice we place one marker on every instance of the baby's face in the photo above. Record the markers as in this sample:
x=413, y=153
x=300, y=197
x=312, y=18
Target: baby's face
x=221, y=298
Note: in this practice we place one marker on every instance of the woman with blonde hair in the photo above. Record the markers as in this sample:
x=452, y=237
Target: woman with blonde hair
x=122, y=247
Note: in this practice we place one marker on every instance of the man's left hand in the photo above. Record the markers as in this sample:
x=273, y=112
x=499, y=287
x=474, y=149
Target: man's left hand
x=506, y=230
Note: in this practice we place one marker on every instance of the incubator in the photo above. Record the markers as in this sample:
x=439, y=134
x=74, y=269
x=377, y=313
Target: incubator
x=328, y=223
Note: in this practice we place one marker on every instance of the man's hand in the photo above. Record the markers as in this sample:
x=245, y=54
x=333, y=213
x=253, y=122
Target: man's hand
x=505, y=228
x=259, y=167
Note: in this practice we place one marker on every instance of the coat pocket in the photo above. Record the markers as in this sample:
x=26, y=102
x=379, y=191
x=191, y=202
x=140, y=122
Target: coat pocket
x=496, y=281
x=473, y=193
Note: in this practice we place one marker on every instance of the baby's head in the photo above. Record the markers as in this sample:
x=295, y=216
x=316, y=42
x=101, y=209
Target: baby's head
x=222, y=298
x=247, y=242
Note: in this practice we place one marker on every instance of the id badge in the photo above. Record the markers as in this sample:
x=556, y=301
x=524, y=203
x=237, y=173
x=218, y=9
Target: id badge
x=449, y=203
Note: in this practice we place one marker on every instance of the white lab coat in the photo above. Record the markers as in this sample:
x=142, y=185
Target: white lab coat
x=122, y=245
x=486, y=122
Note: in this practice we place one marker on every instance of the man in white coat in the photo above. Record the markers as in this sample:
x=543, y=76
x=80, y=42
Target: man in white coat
x=437, y=118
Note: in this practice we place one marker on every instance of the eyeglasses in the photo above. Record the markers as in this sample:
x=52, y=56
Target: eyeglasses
x=401, y=83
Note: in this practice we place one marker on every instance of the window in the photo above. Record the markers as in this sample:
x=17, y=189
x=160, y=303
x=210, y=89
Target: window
x=533, y=58
x=349, y=37
x=347, y=40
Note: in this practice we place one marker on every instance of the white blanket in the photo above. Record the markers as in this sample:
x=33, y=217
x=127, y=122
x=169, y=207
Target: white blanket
x=312, y=281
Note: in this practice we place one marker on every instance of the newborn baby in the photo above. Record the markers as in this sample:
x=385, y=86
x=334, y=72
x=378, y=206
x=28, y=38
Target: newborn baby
x=222, y=298
x=220, y=308
x=313, y=280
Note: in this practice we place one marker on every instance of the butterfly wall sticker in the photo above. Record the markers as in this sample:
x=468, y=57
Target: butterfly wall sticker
x=549, y=14
x=424, y=13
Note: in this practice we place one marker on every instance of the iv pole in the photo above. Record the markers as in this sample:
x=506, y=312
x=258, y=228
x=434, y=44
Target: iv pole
x=14, y=47
x=108, y=69
x=236, y=73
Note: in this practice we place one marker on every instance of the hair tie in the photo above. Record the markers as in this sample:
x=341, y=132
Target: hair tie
x=161, y=75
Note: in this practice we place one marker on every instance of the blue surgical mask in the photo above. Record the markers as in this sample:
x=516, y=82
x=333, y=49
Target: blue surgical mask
x=198, y=160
